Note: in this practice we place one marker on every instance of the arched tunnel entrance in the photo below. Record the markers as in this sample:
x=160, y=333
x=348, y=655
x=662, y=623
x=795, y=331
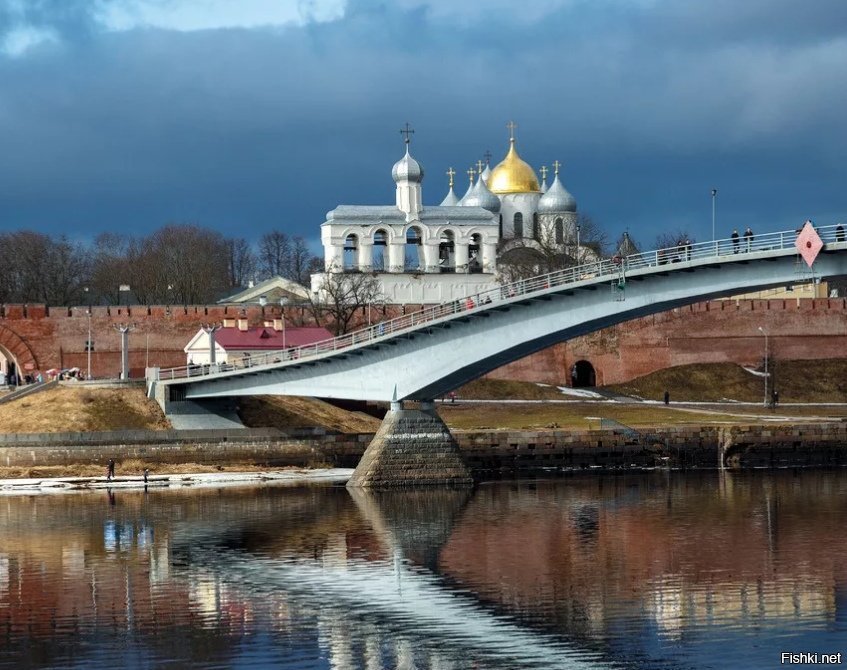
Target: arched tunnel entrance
x=583, y=375
x=16, y=358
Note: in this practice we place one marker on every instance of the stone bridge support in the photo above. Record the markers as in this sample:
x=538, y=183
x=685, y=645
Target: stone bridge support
x=412, y=448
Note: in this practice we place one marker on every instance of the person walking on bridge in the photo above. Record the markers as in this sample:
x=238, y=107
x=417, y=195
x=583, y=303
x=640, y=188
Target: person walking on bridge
x=748, y=238
x=735, y=240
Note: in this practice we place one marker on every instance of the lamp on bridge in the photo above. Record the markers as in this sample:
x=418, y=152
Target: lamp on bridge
x=714, y=197
x=282, y=303
x=765, y=333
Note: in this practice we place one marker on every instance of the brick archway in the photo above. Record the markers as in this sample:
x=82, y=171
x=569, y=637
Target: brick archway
x=17, y=349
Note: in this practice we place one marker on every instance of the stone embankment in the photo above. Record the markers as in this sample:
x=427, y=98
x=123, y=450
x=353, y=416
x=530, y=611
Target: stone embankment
x=486, y=453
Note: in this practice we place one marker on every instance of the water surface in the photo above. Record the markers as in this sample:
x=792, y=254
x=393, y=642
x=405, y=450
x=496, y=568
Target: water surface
x=652, y=570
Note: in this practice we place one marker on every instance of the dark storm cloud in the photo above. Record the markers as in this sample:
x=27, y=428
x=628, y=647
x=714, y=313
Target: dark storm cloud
x=648, y=104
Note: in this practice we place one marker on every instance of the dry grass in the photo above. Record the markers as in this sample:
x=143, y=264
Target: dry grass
x=69, y=409
x=797, y=381
x=500, y=389
x=535, y=416
x=297, y=412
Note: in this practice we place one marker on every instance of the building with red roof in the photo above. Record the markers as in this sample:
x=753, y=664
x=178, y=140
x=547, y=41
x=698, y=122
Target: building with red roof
x=236, y=342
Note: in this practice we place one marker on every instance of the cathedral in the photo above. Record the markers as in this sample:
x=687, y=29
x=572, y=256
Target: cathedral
x=432, y=254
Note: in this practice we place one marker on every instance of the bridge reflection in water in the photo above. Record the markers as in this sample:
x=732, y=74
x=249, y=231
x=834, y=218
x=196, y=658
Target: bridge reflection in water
x=654, y=570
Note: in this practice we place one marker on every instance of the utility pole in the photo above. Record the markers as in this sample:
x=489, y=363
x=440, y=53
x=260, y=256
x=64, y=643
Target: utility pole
x=764, y=332
x=88, y=347
x=124, y=329
x=210, y=330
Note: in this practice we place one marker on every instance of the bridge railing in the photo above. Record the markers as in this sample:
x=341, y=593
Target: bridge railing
x=597, y=270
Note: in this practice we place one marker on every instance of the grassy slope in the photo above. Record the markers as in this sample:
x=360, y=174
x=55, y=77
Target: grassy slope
x=82, y=409
x=295, y=412
x=797, y=381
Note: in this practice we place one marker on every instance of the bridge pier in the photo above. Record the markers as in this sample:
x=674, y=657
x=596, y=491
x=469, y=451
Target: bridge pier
x=412, y=448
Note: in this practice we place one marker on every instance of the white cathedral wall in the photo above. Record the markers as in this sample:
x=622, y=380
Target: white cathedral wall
x=511, y=204
x=423, y=288
x=547, y=223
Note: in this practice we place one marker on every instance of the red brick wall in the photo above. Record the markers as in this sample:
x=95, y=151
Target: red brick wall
x=704, y=332
x=709, y=332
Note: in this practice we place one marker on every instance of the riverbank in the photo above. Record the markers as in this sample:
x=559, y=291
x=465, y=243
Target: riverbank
x=292, y=476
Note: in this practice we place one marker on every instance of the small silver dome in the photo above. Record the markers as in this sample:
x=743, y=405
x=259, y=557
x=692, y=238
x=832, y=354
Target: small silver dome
x=407, y=169
x=451, y=200
x=486, y=173
x=467, y=193
x=480, y=196
x=556, y=199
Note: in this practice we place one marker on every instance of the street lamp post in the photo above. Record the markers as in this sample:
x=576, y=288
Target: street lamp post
x=714, y=197
x=282, y=303
x=577, y=244
x=88, y=347
x=764, y=332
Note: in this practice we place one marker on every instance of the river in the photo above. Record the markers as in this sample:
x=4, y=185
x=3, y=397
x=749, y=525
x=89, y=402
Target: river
x=640, y=570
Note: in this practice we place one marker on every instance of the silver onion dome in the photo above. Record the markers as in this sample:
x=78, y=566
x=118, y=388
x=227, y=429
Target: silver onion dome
x=451, y=200
x=407, y=169
x=556, y=199
x=480, y=196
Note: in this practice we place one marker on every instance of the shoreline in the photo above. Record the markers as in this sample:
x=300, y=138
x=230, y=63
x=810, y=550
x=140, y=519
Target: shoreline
x=51, y=485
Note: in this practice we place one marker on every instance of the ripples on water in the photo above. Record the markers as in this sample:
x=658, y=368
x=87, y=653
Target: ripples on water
x=653, y=570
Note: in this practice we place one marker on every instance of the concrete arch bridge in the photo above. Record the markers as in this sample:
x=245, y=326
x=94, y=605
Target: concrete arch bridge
x=426, y=354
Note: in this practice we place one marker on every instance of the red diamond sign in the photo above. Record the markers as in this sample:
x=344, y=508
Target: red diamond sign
x=809, y=243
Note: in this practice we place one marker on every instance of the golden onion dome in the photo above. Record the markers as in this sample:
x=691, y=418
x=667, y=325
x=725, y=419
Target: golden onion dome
x=513, y=175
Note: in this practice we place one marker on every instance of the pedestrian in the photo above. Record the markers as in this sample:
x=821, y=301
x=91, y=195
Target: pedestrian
x=110, y=469
x=452, y=397
x=687, y=245
x=735, y=240
x=748, y=238
x=146, y=472
x=667, y=397
x=839, y=233
x=774, y=398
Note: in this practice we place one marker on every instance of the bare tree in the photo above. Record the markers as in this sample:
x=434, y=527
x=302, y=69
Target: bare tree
x=302, y=262
x=109, y=267
x=274, y=253
x=37, y=268
x=341, y=295
x=521, y=259
x=242, y=261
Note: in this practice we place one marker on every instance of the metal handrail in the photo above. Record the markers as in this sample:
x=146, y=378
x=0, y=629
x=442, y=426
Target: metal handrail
x=593, y=272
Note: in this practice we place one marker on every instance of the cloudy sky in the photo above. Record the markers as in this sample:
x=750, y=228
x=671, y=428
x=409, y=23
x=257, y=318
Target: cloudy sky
x=250, y=115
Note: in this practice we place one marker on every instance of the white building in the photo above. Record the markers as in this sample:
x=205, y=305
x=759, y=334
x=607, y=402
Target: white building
x=237, y=342
x=424, y=254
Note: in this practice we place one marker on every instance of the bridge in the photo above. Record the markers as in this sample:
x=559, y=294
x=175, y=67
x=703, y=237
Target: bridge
x=426, y=354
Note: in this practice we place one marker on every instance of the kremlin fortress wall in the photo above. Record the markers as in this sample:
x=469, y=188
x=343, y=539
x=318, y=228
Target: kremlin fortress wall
x=41, y=338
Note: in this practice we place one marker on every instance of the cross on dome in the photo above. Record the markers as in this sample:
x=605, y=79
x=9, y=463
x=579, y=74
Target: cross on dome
x=479, y=165
x=487, y=157
x=407, y=131
x=543, y=172
x=557, y=165
x=450, y=174
x=471, y=174
x=511, y=126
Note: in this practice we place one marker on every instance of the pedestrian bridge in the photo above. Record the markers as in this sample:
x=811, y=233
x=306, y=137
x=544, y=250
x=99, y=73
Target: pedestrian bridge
x=426, y=354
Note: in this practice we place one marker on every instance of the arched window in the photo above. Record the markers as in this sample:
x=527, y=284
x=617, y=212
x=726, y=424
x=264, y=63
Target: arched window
x=518, y=225
x=560, y=231
x=379, y=248
x=475, y=253
x=413, y=259
x=351, y=253
x=535, y=225
x=446, y=252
